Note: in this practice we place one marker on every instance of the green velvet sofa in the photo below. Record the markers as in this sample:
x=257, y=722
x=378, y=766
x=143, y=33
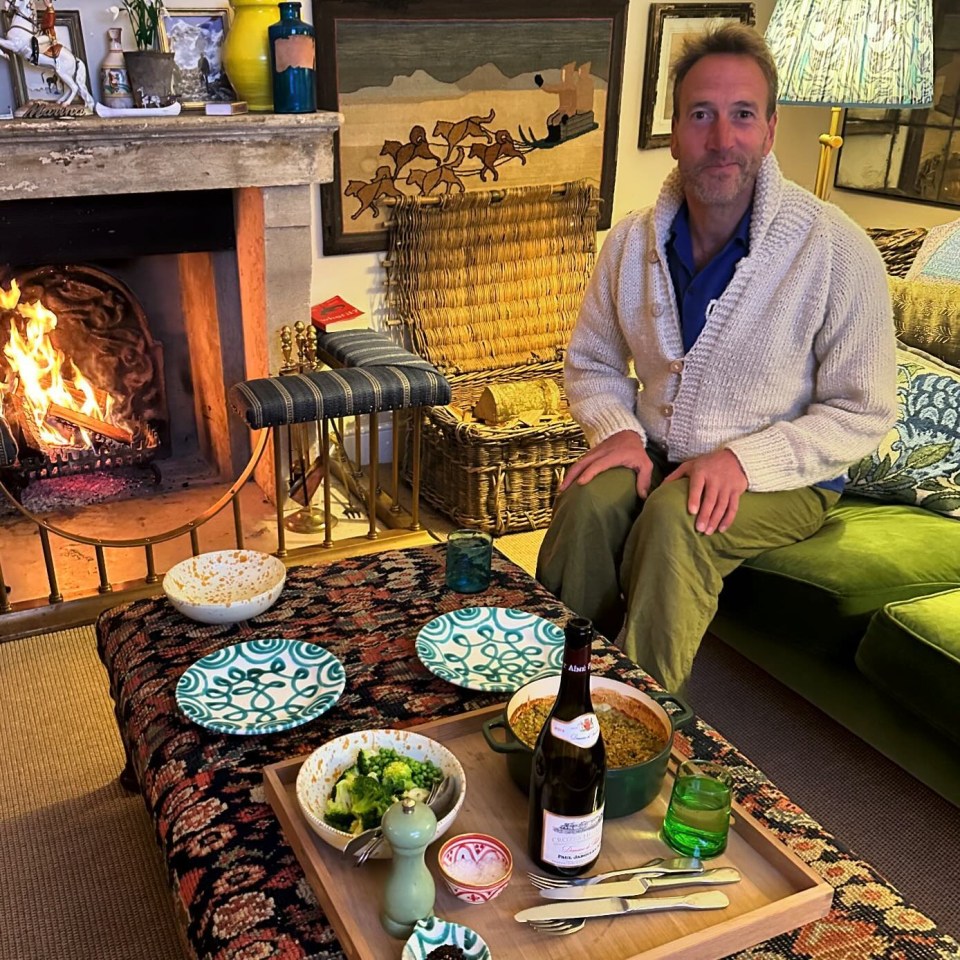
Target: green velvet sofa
x=863, y=619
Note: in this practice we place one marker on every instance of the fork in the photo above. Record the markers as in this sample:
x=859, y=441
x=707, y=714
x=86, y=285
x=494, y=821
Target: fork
x=373, y=845
x=652, y=868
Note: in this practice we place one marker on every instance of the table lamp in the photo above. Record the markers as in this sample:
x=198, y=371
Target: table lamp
x=855, y=53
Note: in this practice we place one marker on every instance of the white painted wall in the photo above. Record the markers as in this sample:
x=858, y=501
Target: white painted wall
x=358, y=277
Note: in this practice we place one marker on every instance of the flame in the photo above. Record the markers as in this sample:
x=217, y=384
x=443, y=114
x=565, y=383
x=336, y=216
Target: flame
x=42, y=375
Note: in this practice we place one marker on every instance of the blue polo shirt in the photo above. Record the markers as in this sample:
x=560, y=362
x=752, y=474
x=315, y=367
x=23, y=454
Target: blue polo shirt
x=696, y=291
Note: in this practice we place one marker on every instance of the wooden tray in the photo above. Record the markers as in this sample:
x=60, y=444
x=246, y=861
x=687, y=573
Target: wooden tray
x=778, y=891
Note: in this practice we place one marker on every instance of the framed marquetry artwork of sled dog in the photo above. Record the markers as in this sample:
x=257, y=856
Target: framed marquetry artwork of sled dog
x=444, y=97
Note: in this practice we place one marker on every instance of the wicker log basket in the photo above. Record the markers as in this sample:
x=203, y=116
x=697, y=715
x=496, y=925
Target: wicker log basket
x=489, y=284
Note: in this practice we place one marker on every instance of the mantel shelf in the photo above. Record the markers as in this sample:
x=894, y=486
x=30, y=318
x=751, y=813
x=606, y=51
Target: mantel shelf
x=91, y=156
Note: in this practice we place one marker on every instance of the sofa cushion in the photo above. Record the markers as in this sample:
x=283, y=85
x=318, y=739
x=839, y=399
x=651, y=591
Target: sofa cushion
x=898, y=246
x=938, y=258
x=927, y=316
x=822, y=591
x=911, y=651
x=918, y=461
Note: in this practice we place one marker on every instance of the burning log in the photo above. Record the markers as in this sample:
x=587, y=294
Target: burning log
x=82, y=421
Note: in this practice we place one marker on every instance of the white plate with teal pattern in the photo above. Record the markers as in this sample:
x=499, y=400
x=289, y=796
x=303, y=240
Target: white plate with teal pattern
x=490, y=648
x=261, y=686
x=433, y=932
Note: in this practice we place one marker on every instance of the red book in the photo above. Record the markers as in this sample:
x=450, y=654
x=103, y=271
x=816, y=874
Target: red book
x=336, y=314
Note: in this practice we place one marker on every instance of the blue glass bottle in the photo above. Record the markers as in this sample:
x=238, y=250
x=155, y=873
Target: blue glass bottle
x=293, y=62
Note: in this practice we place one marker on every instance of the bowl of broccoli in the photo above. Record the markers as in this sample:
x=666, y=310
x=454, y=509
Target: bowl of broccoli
x=345, y=786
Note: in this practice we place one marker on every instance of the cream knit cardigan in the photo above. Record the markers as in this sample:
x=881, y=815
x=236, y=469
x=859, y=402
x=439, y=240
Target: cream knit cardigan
x=795, y=369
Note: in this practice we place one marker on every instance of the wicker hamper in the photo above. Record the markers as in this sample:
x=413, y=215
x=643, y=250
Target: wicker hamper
x=490, y=284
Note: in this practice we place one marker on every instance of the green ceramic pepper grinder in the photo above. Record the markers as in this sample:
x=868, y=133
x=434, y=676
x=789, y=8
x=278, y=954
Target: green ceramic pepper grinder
x=408, y=826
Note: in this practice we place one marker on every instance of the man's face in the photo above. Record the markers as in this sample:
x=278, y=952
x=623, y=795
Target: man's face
x=720, y=134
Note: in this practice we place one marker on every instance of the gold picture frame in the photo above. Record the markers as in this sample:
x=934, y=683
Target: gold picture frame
x=195, y=36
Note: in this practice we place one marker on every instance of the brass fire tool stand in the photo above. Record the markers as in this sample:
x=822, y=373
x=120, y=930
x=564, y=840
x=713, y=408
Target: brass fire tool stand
x=304, y=478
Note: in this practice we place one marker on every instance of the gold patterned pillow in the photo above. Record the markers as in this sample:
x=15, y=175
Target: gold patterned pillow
x=927, y=316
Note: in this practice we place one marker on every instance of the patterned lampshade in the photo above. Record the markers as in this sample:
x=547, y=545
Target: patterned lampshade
x=854, y=53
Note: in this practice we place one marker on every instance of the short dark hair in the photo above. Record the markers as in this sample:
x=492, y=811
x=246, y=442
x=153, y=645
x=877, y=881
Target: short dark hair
x=736, y=38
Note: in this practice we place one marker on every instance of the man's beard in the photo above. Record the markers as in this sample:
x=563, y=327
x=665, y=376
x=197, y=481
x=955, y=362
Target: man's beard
x=719, y=191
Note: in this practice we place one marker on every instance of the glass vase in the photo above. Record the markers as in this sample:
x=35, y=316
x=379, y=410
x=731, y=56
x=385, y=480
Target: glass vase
x=293, y=62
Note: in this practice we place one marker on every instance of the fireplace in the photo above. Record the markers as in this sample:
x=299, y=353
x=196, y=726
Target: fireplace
x=81, y=377
x=194, y=299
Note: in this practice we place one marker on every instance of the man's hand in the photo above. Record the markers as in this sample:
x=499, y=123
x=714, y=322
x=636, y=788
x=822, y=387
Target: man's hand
x=716, y=482
x=623, y=449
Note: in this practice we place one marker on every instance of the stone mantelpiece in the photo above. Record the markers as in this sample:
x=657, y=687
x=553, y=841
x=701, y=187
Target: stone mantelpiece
x=90, y=156
x=270, y=161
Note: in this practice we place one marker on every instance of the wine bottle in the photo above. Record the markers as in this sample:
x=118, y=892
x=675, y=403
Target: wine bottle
x=568, y=769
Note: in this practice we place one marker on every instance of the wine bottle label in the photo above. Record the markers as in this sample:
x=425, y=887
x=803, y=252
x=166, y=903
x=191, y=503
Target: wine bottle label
x=584, y=731
x=571, y=841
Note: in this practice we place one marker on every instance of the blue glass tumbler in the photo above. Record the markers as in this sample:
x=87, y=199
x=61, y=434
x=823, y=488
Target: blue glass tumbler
x=293, y=56
x=468, y=560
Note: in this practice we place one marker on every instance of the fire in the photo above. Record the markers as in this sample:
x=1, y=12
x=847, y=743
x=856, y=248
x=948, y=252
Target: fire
x=46, y=385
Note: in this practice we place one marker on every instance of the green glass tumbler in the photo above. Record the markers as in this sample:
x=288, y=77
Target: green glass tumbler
x=698, y=816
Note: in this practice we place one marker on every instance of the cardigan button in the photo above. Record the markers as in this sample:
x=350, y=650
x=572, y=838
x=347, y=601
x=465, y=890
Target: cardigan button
x=657, y=309
x=652, y=255
x=667, y=409
x=676, y=366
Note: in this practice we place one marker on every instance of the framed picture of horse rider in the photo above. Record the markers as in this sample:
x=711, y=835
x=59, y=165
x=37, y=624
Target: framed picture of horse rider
x=448, y=96
x=42, y=82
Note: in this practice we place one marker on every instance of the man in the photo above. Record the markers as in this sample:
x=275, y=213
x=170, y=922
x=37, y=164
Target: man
x=759, y=324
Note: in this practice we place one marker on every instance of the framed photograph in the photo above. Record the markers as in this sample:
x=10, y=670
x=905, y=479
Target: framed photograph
x=42, y=83
x=670, y=25
x=195, y=37
x=447, y=96
x=911, y=154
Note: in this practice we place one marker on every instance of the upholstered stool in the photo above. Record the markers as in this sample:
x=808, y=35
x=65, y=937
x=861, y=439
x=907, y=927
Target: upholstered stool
x=912, y=651
x=376, y=376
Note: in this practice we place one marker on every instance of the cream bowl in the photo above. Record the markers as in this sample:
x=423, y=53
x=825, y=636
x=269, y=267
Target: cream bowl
x=225, y=586
x=475, y=866
x=322, y=769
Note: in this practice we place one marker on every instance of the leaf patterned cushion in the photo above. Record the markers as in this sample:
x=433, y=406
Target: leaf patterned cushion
x=918, y=461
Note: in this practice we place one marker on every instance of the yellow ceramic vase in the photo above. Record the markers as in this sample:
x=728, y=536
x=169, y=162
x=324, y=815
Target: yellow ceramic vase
x=246, y=52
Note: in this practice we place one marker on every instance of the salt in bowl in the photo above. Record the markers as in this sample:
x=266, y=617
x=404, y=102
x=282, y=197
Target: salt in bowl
x=475, y=866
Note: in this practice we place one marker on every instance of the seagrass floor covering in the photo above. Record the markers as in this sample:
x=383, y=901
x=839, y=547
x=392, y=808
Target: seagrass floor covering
x=80, y=875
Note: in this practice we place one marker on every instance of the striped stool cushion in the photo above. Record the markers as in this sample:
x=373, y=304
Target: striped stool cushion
x=367, y=348
x=298, y=398
x=8, y=449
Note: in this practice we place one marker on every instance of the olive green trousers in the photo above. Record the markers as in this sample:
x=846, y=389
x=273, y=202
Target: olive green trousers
x=643, y=574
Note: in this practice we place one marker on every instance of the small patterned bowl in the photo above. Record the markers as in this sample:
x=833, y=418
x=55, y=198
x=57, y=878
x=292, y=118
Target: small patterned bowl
x=475, y=866
x=431, y=934
x=322, y=769
x=225, y=586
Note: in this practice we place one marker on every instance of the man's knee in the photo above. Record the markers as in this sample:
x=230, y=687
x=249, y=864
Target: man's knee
x=666, y=509
x=612, y=493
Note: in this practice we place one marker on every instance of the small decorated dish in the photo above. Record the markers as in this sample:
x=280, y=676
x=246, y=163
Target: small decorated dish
x=225, y=586
x=437, y=939
x=475, y=866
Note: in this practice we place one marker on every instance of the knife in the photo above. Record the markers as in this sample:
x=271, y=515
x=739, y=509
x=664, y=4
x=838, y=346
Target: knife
x=613, y=906
x=640, y=885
